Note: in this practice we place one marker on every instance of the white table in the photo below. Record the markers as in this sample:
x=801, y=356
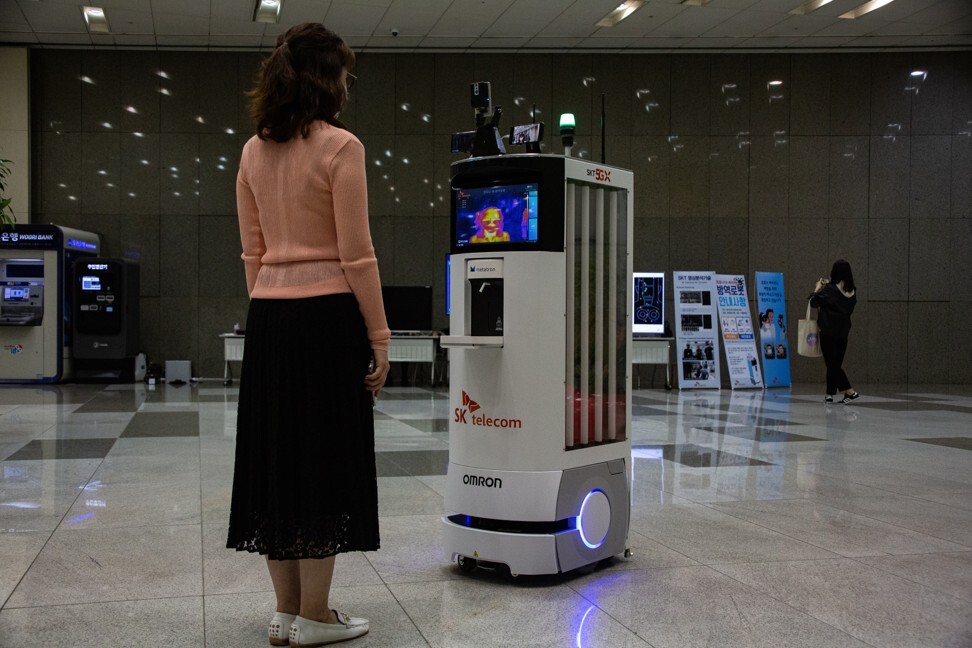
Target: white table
x=404, y=347
x=232, y=352
x=418, y=346
x=653, y=351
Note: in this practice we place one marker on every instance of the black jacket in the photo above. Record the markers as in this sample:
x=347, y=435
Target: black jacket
x=834, y=317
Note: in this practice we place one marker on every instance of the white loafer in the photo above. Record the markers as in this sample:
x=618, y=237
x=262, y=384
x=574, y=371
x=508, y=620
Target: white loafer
x=279, y=628
x=305, y=633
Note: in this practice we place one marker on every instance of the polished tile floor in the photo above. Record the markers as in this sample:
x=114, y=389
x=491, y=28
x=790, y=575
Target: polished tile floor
x=759, y=519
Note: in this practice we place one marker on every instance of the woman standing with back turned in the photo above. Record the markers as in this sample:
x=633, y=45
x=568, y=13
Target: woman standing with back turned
x=304, y=483
x=836, y=299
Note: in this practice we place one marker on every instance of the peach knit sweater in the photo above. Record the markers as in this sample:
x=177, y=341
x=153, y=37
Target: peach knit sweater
x=303, y=209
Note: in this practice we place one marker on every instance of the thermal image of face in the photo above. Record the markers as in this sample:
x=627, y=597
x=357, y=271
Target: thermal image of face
x=489, y=224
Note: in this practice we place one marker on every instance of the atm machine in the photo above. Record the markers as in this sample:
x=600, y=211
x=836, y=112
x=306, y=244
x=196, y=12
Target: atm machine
x=540, y=411
x=36, y=284
x=106, y=320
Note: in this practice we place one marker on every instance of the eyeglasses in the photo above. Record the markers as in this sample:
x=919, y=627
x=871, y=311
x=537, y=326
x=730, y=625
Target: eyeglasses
x=351, y=79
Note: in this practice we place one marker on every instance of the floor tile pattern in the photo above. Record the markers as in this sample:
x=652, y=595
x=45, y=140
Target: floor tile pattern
x=759, y=519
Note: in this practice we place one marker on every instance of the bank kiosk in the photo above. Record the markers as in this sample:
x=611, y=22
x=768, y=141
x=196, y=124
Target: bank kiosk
x=539, y=397
x=36, y=300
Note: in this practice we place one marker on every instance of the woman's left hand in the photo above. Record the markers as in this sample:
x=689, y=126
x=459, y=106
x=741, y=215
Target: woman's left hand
x=376, y=379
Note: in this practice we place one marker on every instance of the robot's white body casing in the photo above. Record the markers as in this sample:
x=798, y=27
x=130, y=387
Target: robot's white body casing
x=531, y=483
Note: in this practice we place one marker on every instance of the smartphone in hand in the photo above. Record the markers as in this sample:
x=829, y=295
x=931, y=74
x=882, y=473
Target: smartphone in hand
x=371, y=370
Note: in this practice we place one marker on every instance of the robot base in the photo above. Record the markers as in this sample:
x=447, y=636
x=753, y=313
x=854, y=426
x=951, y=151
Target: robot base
x=591, y=524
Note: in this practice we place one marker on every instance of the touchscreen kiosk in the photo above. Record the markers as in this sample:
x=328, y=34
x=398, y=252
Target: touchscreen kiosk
x=648, y=311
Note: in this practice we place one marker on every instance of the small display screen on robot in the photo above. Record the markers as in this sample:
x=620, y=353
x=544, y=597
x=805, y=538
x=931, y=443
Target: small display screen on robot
x=498, y=214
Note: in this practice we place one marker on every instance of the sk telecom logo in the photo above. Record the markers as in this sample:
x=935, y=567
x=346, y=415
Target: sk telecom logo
x=469, y=406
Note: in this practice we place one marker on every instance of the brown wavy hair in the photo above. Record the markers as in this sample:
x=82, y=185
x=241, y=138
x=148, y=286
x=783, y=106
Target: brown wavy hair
x=300, y=82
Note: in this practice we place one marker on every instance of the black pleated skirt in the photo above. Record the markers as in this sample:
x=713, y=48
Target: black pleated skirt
x=304, y=483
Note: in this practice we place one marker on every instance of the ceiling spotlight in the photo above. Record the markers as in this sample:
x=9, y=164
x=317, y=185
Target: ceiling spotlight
x=96, y=19
x=624, y=10
x=865, y=8
x=267, y=11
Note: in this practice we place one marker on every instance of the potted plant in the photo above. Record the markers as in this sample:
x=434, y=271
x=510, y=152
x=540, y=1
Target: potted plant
x=6, y=213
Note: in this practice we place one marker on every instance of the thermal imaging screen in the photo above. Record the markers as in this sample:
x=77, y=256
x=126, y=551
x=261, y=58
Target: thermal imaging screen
x=501, y=214
x=649, y=302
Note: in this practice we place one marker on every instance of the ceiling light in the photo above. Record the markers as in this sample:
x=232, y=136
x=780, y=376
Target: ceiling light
x=624, y=10
x=813, y=5
x=865, y=8
x=267, y=11
x=96, y=19
x=920, y=73
x=695, y=3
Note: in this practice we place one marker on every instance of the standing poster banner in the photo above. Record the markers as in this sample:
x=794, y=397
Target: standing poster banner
x=738, y=338
x=696, y=337
x=773, y=344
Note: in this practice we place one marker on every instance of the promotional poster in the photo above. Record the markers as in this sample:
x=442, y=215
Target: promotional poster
x=773, y=344
x=696, y=336
x=738, y=336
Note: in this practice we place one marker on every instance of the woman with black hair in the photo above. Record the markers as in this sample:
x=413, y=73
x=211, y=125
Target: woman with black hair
x=836, y=298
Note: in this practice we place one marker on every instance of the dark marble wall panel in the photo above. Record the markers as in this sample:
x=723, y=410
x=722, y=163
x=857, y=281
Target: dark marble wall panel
x=729, y=99
x=532, y=85
x=220, y=266
x=849, y=164
x=374, y=102
x=139, y=103
x=811, y=102
x=101, y=173
x=414, y=191
x=929, y=354
x=931, y=156
x=613, y=75
x=959, y=243
x=140, y=162
x=452, y=77
x=139, y=241
x=769, y=160
x=651, y=95
x=809, y=176
x=572, y=91
x=889, y=180
x=959, y=342
x=932, y=77
x=770, y=94
x=179, y=256
x=891, y=95
x=651, y=164
x=784, y=177
x=888, y=259
x=219, y=155
x=414, y=94
x=886, y=341
x=652, y=245
x=178, y=173
x=180, y=80
x=412, y=255
x=960, y=194
x=60, y=161
x=930, y=272
x=850, y=94
x=689, y=179
x=691, y=81
x=55, y=87
x=729, y=170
